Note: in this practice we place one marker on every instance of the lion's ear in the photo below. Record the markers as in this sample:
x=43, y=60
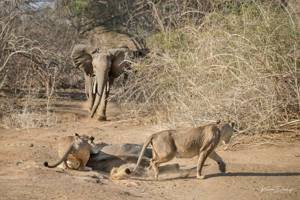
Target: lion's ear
x=127, y=171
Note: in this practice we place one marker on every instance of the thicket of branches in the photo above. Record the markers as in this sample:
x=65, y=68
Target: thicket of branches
x=209, y=60
x=241, y=63
x=34, y=48
x=141, y=17
x=34, y=58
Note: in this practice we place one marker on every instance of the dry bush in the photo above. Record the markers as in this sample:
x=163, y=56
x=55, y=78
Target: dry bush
x=24, y=65
x=241, y=64
x=34, y=61
x=132, y=16
x=26, y=112
x=35, y=46
x=27, y=118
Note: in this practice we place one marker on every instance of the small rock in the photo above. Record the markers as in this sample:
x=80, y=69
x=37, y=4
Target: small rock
x=131, y=184
x=18, y=163
x=99, y=181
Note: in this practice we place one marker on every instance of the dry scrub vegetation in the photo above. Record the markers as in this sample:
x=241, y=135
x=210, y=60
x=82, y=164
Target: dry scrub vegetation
x=34, y=61
x=230, y=60
x=242, y=63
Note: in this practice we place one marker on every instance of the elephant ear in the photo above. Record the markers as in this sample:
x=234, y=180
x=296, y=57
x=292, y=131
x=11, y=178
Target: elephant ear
x=82, y=58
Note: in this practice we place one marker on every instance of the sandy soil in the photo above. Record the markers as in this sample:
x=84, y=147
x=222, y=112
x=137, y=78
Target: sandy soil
x=258, y=167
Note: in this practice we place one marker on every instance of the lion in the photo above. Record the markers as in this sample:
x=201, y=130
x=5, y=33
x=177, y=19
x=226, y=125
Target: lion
x=121, y=172
x=74, y=152
x=200, y=141
x=124, y=171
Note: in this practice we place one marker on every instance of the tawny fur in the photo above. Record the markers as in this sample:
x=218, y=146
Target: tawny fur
x=200, y=141
x=122, y=172
x=74, y=152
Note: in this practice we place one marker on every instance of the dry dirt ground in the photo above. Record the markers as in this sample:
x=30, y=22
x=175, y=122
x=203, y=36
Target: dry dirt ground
x=258, y=167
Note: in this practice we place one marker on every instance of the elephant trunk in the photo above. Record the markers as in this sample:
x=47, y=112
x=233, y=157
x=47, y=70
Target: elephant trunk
x=101, y=65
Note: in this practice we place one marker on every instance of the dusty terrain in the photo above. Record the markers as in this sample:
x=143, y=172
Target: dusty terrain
x=258, y=167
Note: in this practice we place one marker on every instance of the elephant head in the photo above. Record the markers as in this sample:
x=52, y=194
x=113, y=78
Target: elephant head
x=105, y=66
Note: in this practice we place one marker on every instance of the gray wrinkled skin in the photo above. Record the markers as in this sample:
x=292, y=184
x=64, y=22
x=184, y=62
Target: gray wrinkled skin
x=115, y=155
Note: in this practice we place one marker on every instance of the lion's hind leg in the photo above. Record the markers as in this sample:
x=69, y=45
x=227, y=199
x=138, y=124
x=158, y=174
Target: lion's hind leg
x=156, y=162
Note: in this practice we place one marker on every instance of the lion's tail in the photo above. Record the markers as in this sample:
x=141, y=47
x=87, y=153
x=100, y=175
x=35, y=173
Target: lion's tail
x=146, y=144
x=61, y=160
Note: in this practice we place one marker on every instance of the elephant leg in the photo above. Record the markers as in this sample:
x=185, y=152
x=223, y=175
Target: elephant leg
x=101, y=64
x=104, y=100
x=89, y=90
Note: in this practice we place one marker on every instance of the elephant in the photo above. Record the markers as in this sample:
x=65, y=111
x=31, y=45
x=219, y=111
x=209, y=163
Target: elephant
x=101, y=67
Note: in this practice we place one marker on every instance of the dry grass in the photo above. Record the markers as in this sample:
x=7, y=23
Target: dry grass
x=26, y=119
x=26, y=112
x=240, y=64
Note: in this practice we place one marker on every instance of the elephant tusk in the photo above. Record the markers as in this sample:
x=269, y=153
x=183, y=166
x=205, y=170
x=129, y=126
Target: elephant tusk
x=94, y=87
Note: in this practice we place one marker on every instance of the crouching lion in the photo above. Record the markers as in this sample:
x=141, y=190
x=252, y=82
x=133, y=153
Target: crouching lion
x=199, y=141
x=74, y=152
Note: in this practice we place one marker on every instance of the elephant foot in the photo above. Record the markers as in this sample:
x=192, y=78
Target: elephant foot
x=201, y=177
x=102, y=118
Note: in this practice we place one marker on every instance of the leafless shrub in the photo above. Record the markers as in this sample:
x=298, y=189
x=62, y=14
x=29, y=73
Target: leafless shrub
x=132, y=16
x=241, y=65
x=26, y=112
x=29, y=119
x=33, y=57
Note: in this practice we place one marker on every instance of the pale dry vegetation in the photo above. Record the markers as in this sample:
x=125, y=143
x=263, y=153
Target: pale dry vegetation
x=230, y=60
x=34, y=61
x=241, y=63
